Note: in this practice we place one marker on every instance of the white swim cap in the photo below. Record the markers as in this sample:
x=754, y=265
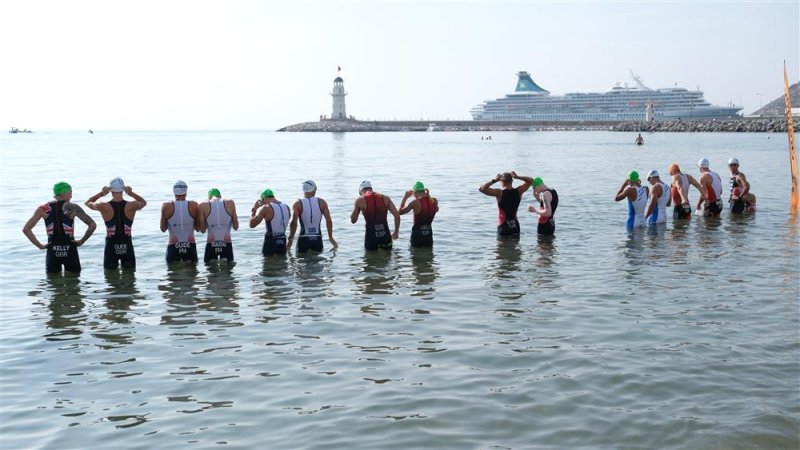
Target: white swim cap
x=733, y=160
x=365, y=185
x=117, y=185
x=703, y=163
x=652, y=173
x=309, y=186
x=179, y=188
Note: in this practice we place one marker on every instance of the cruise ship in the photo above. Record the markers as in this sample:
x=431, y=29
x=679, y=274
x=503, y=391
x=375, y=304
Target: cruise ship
x=620, y=104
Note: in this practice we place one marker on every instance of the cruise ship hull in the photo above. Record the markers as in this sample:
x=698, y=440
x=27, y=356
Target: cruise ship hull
x=620, y=104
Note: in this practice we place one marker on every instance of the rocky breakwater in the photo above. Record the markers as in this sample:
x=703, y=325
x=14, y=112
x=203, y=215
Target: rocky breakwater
x=337, y=126
x=744, y=125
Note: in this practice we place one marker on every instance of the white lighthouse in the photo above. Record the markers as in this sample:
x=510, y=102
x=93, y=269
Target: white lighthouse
x=339, y=113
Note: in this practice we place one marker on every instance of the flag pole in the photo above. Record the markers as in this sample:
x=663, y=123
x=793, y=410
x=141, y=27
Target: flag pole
x=794, y=201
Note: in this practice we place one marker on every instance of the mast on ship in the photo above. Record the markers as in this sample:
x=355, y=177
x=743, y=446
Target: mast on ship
x=639, y=81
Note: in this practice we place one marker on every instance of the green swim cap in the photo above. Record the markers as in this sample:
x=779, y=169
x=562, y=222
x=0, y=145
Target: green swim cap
x=537, y=181
x=60, y=188
x=418, y=187
x=267, y=193
x=633, y=175
x=214, y=192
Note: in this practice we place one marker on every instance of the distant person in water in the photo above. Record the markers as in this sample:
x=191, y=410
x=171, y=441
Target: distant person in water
x=277, y=216
x=636, y=194
x=217, y=218
x=548, y=202
x=118, y=216
x=508, y=199
x=375, y=208
x=741, y=198
x=59, y=215
x=309, y=211
x=182, y=218
x=660, y=199
x=711, y=184
x=639, y=140
x=682, y=206
x=425, y=208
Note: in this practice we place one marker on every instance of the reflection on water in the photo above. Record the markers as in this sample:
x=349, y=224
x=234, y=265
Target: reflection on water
x=425, y=270
x=375, y=274
x=62, y=294
x=547, y=274
x=506, y=260
x=179, y=289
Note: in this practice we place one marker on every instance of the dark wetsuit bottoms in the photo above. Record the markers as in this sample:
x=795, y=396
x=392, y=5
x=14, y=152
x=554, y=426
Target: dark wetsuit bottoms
x=508, y=228
x=218, y=250
x=274, y=245
x=62, y=254
x=738, y=206
x=682, y=212
x=119, y=251
x=713, y=209
x=422, y=236
x=546, y=228
x=377, y=237
x=182, y=251
x=306, y=243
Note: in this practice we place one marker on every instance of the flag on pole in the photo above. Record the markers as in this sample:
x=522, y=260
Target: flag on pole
x=794, y=202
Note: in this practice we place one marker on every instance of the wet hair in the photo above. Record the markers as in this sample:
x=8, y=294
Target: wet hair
x=507, y=177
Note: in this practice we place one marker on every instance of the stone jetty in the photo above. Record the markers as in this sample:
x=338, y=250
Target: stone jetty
x=739, y=125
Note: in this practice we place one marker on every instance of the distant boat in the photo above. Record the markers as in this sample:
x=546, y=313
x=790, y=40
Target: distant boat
x=15, y=130
x=91, y=132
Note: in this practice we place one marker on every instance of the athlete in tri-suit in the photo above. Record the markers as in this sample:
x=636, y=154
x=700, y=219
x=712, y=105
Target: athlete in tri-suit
x=277, y=216
x=310, y=210
x=425, y=208
x=660, y=199
x=508, y=200
x=375, y=208
x=682, y=207
x=59, y=216
x=636, y=194
x=218, y=216
x=741, y=198
x=181, y=217
x=712, y=186
x=118, y=216
x=548, y=202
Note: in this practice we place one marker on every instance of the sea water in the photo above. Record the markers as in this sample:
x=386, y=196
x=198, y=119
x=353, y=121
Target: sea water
x=683, y=336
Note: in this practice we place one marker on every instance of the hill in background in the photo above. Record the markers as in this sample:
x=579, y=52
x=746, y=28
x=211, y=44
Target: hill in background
x=777, y=107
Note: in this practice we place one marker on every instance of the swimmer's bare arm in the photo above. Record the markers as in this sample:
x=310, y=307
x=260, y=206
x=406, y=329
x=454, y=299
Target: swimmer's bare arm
x=230, y=207
x=27, y=229
x=166, y=211
x=405, y=209
x=139, y=202
x=259, y=213
x=526, y=182
x=699, y=188
x=486, y=188
x=393, y=210
x=705, y=179
x=358, y=206
x=91, y=202
x=203, y=210
x=546, y=211
x=296, y=211
x=624, y=192
x=654, y=195
x=745, y=185
x=323, y=206
x=77, y=211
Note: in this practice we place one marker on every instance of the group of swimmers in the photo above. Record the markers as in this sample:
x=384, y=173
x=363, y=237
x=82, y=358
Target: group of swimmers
x=649, y=206
x=217, y=216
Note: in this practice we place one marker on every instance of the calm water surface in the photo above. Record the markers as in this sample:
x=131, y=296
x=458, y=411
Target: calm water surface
x=686, y=336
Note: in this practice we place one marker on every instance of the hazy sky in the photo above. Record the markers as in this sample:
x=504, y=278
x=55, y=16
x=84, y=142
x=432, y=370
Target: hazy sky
x=262, y=65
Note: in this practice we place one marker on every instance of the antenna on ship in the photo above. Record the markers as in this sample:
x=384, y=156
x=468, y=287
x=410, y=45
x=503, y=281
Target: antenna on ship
x=639, y=81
